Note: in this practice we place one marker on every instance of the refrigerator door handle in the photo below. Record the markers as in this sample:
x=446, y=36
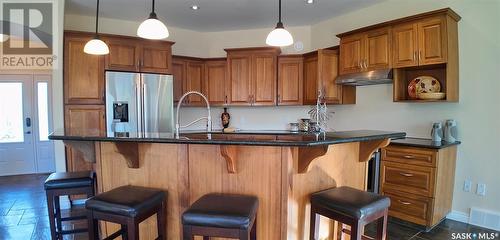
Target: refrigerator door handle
x=145, y=108
x=139, y=108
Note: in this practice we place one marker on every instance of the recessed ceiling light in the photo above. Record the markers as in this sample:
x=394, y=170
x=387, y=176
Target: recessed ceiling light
x=309, y=1
x=195, y=7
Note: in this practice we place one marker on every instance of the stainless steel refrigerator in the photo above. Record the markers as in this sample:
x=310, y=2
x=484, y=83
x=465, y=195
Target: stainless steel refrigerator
x=139, y=103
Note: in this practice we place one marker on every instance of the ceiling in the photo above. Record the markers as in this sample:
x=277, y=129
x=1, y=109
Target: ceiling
x=220, y=15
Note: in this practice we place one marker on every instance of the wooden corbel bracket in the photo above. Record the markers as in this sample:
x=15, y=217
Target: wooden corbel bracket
x=366, y=149
x=308, y=154
x=87, y=148
x=229, y=153
x=129, y=151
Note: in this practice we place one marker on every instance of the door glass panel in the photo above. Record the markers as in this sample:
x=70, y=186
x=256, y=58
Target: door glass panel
x=11, y=112
x=43, y=111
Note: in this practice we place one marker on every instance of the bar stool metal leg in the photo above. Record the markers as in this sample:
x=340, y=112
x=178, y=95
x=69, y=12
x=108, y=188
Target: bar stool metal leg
x=382, y=227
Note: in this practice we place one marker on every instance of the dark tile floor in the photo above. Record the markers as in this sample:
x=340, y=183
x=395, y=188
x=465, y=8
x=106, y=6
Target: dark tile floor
x=23, y=215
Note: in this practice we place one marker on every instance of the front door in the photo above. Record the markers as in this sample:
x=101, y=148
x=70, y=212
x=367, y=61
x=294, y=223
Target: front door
x=24, y=125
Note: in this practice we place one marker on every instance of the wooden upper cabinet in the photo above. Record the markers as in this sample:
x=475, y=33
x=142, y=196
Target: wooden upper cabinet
x=239, y=87
x=352, y=52
x=156, y=57
x=422, y=42
x=215, y=81
x=405, y=48
x=179, y=75
x=124, y=54
x=138, y=55
x=365, y=51
x=320, y=72
x=311, y=87
x=264, y=79
x=378, y=49
x=290, y=80
x=252, y=74
x=83, y=73
x=432, y=41
x=328, y=70
x=194, y=81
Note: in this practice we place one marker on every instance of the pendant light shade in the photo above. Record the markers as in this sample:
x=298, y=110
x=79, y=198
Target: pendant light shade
x=279, y=37
x=96, y=46
x=152, y=28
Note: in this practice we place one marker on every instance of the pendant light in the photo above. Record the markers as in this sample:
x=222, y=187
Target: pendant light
x=96, y=46
x=152, y=28
x=279, y=37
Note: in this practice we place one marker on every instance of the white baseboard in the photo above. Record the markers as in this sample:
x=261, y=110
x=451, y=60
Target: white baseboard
x=458, y=216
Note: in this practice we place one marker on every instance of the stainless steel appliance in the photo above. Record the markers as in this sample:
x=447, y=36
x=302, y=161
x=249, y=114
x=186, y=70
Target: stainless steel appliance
x=139, y=103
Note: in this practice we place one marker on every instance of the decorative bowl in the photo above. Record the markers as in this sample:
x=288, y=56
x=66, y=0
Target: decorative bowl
x=431, y=96
x=423, y=84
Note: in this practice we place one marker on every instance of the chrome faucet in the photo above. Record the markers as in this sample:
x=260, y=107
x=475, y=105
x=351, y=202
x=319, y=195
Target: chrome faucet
x=209, y=117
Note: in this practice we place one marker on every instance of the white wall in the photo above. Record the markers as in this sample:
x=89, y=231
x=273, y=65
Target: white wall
x=477, y=112
x=57, y=89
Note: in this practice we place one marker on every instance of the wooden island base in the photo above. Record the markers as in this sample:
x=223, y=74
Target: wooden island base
x=281, y=177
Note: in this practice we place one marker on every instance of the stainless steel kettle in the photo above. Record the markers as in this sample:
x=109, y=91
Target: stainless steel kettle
x=450, y=130
x=436, y=132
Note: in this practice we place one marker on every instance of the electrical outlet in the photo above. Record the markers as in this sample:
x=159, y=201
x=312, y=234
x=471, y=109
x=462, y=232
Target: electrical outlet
x=481, y=189
x=467, y=185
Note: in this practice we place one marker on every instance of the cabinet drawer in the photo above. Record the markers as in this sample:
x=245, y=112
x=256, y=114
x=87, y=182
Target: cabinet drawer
x=411, y=208
x=407, y=178
x=409, y=155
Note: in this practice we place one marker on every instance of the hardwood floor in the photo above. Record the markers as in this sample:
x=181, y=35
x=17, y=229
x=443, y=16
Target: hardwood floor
x=23, y=215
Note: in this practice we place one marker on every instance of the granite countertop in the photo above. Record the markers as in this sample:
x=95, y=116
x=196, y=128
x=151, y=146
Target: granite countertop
x=423, y=142
x=257, y=138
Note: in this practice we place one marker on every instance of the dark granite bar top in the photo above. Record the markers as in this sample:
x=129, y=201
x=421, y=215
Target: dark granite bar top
x=257, y=138
x=423, y=142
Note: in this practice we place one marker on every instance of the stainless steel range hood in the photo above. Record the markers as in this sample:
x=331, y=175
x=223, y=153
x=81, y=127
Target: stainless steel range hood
x=383, y=76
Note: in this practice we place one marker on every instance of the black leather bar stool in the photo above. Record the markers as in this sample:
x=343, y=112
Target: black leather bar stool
x=127, y=206
x=221, y=215
x=352, y=207
x=62, y=184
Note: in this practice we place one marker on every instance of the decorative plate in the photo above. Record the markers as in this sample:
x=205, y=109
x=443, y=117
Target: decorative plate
x=423, y=84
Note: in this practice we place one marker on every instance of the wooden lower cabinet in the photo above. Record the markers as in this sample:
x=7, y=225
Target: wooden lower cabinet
x=419, y=182
x=82, y=120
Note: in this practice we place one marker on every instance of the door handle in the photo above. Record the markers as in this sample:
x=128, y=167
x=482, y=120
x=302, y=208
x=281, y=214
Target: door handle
x=403, y=202
x=28, y=132
x=28, y=122
x=406, y=174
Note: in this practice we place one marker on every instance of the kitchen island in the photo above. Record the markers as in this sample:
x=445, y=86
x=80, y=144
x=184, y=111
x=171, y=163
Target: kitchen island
x=281, y=169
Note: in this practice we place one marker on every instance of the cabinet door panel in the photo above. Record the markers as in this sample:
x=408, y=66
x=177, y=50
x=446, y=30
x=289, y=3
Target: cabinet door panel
x=351, y=50
x=378, y=49
x=83, y=73
x=179, y=74
x=194, y=76
x=310, y=79
x=264, y=79
x=123, y=55
x=405, y=45
x=239, y=84
x=82, y=120
x=290, y=76
x=156, y=57
x=215, y=81
x=328, y=62
x=432, y=41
